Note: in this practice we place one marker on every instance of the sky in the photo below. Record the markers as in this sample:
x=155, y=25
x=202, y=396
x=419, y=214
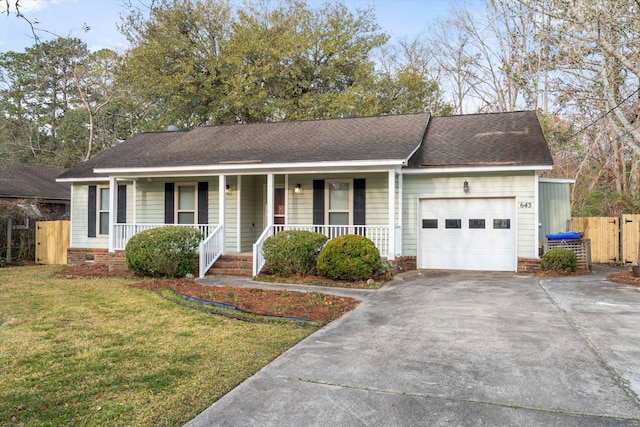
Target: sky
x=69, y=18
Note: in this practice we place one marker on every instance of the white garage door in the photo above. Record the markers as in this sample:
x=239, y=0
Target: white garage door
x=467, y=234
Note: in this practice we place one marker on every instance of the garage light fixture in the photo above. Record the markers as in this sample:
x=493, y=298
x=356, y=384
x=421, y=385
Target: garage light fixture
x=227, y=190
x=465, y=186
x=297, y=189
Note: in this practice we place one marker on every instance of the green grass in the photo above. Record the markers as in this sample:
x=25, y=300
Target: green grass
x=98, y=352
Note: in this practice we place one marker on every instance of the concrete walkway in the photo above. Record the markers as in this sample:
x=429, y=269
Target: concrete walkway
x=458, y=348
x=359, y=294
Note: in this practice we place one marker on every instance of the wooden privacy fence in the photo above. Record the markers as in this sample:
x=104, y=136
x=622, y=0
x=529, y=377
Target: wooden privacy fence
x=613, y=239
x=52, y=242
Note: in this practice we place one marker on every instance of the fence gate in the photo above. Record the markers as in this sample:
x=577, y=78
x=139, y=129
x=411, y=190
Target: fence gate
x=52, y=242
x=604, y=234
x=630, y=238
x=613, y=239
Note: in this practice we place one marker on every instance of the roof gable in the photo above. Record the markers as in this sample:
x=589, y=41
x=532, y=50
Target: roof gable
x=493, y=139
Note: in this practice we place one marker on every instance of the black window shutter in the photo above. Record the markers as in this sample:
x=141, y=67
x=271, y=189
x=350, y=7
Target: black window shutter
x=121, y=217
x=359, y=201
x=203, y=203
x=91, y=209
x=169, y=188
x=318, y=201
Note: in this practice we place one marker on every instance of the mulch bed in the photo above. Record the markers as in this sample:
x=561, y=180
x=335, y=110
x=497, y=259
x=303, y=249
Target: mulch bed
x=315, y=306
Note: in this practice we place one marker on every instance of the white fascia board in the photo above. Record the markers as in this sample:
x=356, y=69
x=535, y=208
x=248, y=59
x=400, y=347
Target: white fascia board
x=406, y=161
x=558, y=180
x=254, y=168
x=473, y=169
x=90, y=180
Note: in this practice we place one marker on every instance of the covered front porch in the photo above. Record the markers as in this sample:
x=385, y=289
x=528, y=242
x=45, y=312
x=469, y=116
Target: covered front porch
x=237, y=213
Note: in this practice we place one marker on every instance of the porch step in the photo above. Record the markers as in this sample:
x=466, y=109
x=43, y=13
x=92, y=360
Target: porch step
x=232, y=266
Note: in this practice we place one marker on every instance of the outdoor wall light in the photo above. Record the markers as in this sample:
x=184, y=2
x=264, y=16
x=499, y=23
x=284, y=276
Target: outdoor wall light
x=227, y=190
x=297, y=189
x=465, y=186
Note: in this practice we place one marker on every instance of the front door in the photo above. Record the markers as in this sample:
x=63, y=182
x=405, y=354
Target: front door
x=279, y=202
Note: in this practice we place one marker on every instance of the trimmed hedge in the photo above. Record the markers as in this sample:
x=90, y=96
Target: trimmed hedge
x=349, y=257
x=292, y=252
x=165, y=251
x=559, y=259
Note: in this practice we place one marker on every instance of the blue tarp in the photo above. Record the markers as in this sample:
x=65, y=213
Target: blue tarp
x=568, y=235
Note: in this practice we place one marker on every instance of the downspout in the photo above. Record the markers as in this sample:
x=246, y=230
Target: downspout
x=400, y=211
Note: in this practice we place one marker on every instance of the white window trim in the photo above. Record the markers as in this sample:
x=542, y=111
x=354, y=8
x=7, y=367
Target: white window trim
x=176, y=204
x=328, y=210
x=99, y=211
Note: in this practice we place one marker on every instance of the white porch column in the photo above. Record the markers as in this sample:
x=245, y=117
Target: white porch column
x=222, y=206
x=270, y=192
x=113, y=208
x=135, y=202
x=392, y=215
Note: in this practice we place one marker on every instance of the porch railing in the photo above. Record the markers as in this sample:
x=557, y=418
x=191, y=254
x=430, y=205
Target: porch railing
x=379, y=234
x=258, y=257
x=211, y=249
x=123, y=232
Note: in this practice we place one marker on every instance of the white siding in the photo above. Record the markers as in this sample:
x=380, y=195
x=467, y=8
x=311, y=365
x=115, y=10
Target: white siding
x=79, y=221
x=300, y=207
x=518, y=185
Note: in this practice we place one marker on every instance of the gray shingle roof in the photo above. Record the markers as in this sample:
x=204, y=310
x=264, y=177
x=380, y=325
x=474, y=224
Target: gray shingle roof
x=24, y=181
x=333, y=140
x=468, y=140
x=500, y=139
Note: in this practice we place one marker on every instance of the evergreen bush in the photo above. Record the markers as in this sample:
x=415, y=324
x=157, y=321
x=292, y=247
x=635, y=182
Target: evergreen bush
x=165, y=251
x=292, y=252
x=559, y=259
x=349, y=257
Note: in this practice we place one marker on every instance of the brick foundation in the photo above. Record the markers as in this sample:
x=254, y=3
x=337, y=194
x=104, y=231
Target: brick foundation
x=116, y=261
x=76, y=256
x=528, y=265
x=403, y=263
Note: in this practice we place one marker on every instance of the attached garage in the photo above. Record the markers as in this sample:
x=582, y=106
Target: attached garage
x=468, y=234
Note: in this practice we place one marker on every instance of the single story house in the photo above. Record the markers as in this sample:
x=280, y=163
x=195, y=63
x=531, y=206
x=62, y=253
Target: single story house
x=455, y=192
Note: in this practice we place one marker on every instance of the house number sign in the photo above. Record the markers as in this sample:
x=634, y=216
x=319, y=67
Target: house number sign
x=526, y=205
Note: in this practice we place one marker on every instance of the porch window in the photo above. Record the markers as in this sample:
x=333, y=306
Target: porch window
x=186, y=203
x=339, y=202
x=103, y=210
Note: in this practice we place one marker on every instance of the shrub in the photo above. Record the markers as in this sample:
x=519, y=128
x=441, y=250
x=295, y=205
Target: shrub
x=293, y=252
x=349, y=257
x=165, y=251
x=559, y=259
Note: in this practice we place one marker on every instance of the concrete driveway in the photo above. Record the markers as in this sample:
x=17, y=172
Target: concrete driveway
x=458, y=348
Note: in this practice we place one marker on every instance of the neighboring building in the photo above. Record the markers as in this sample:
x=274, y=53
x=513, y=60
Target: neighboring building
x=40, y=197
x=456, y=192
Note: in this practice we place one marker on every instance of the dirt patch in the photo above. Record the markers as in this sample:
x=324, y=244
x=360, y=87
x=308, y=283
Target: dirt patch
x=316, y=306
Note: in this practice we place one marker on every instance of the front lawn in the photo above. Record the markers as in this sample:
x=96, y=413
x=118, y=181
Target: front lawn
x=96, y=351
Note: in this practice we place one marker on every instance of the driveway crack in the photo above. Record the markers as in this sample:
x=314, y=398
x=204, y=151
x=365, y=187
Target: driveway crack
x=615, y=374
x=456, y=399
